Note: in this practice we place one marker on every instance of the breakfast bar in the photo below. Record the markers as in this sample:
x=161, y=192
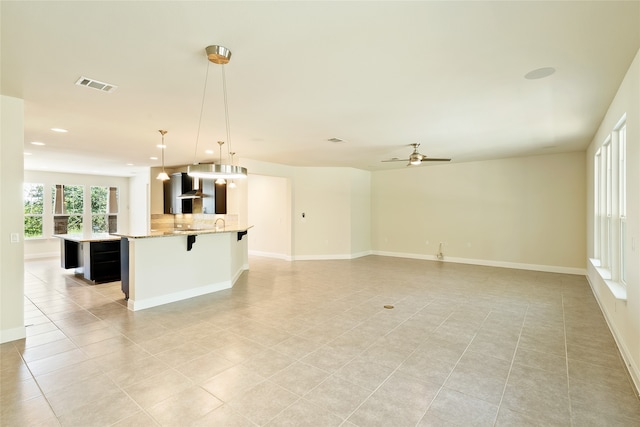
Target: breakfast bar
x=164, y=267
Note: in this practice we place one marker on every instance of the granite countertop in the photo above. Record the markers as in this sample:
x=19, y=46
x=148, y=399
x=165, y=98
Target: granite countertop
x=88, y=237
x=187, y=232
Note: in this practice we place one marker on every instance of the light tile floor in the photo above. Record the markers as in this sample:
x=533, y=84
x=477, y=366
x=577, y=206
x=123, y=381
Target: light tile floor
x=311, y=344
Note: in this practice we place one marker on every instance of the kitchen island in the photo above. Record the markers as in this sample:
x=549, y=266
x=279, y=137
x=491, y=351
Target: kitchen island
x=163, y=267
x=95, y=256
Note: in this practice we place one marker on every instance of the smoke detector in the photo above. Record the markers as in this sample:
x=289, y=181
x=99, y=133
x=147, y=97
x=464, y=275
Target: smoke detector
x=95, y=84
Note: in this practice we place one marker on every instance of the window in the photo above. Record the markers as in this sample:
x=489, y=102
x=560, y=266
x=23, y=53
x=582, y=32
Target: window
x=68, y=205
x=33, y=199
x=622, y=200
x=597, y=220
x=610, y=206
x=104, y=209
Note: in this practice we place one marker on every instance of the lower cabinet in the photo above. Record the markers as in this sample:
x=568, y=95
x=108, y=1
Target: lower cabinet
x=104, y=262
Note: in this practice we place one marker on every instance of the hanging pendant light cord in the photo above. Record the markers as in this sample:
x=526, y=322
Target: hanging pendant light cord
x=204, y=92
x=163, y=148
x=226, y=111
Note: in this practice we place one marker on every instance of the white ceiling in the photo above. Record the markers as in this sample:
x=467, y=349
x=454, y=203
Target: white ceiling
x=379, y=75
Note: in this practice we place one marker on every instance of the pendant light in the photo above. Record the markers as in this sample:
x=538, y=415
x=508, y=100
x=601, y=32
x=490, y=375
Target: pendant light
x=220, y=179
x=162, y=176
x=232, y=184
x=218, y=55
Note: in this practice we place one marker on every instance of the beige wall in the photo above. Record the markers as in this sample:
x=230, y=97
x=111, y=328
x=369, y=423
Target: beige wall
x=520, y=212
x=11, y=219
x=360, y=212
x=623, y=316
x=330, y=198
x=269, y=212
x=140, y=203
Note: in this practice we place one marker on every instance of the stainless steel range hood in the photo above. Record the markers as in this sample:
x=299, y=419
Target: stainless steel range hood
x=192, y=194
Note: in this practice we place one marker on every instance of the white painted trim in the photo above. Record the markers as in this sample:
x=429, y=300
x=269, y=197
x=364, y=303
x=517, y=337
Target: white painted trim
x=632, y=368
x=330, y=256
x=271, y=255
x=42, y=255
x=617, y=289
x=7, y=335
x=178, y=296
x=490, y=263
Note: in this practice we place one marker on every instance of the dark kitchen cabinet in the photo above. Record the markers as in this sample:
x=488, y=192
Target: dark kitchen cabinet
x=179, y=184
x=104, y=261
x=214, y=199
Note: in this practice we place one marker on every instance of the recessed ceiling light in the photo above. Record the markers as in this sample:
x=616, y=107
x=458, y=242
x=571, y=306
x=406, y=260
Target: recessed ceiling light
x=539, y=73
x=209, y=151
x=161, y=146
x=59, y=130
x=27, y=154
x=129, y=164
x=153, y=158
x=37, y=143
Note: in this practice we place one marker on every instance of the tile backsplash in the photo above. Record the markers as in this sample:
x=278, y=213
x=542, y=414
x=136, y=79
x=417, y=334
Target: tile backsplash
x=165, y=222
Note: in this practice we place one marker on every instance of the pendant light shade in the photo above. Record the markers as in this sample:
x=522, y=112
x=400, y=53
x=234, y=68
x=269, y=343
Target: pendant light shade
x=220, y=172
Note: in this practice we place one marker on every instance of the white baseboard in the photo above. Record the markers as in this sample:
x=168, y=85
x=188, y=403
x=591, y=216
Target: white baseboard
x=331, y=256
x=42, y=255
x=489, y=263
x=632, y=367
x=135, y=305
x=271, y=255
x=7, y=335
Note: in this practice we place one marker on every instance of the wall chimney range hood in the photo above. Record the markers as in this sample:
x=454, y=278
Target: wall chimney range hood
x=191, y=194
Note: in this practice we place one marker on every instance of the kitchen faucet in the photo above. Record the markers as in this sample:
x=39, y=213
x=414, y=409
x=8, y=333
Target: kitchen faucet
x=223, y=223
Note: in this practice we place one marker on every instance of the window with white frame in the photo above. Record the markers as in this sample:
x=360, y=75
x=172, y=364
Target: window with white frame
x=621, y=133
x=33, y=200
x=68, y=208
x=597, y=203
x=104, y=209
x=610, y=206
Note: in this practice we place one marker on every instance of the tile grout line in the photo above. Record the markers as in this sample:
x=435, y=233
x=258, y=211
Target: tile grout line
x=513, y=359
x=566, y=356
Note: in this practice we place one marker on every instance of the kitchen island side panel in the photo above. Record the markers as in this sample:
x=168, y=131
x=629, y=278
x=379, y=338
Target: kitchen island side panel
x=162, y=270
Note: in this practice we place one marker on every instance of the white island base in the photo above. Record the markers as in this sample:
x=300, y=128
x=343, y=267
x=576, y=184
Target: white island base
x=166, y=268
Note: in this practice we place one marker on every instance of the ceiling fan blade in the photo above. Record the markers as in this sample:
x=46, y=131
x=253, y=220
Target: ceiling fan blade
x=430, y=159
x=395, y=160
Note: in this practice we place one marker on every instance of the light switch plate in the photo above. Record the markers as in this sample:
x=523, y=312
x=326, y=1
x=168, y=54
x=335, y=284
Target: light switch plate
x=15, y=238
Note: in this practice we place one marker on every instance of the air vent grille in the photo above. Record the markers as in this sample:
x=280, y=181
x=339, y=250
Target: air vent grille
x=95, y=84
x=336, y=140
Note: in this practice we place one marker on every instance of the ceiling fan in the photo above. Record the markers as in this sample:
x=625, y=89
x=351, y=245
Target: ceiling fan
x=416, y=158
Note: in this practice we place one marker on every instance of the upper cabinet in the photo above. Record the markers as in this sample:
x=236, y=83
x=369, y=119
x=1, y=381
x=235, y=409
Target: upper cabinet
x=214, y=199
x=179, y=184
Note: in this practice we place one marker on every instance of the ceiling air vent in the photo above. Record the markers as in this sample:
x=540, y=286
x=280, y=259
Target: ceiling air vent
x=94, y=84
x=336, y=140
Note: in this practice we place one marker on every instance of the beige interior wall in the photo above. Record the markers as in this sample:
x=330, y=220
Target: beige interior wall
x=140, y=203
x=360, y=212
x=525, y=211
x=269, y=201
x=623, y=316
x=11, y=219
x=323, y=195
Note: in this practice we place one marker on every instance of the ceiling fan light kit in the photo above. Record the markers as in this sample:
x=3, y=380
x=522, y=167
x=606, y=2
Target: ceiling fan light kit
x=415, y=158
